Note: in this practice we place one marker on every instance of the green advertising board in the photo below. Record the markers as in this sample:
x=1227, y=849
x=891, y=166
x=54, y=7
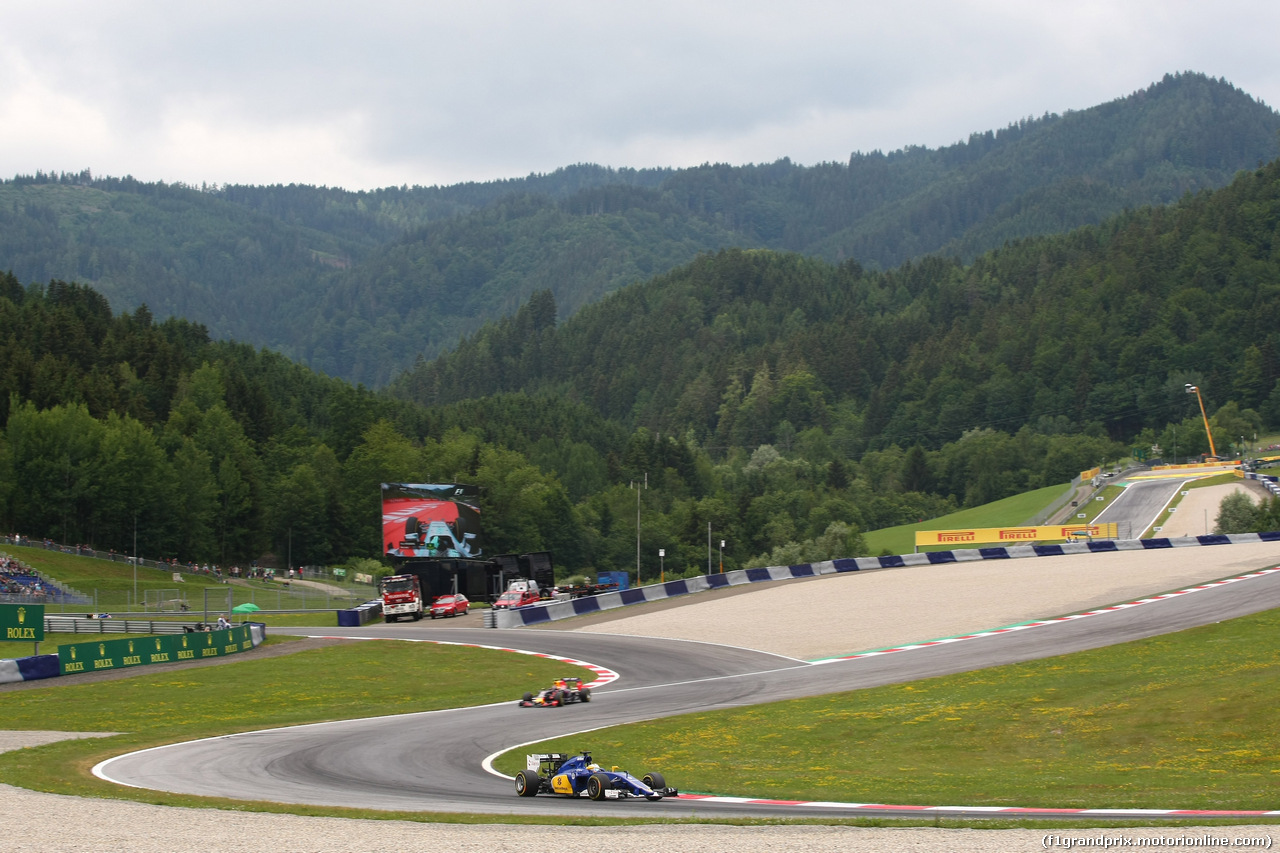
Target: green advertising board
x=118, y=654
x=22, y=622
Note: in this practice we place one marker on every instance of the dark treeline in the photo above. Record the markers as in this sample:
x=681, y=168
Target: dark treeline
x=120, y=426
x=357, y=284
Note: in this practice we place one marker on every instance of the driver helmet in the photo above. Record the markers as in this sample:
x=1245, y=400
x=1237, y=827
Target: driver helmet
x=593, y=767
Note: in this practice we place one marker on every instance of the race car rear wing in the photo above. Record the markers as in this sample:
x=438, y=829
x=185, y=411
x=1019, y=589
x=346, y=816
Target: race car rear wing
x=534, y=761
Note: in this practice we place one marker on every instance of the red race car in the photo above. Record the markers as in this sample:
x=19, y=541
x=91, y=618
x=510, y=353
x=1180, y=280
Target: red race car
x=449, y=605
x=564, y=692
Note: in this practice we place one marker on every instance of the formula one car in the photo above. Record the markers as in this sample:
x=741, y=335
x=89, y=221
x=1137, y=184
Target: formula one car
x=579, y=776
x=563, y=692
x=434, y=539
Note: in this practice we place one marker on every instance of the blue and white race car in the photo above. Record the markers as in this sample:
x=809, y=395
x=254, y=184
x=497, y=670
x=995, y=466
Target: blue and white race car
x=579, y=776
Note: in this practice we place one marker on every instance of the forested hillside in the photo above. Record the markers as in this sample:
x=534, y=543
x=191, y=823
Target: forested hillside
x=359, y=284
x=787, y=402
x=1094, y=331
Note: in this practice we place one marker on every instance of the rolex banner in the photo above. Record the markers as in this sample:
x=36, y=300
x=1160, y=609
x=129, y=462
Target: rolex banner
x=118, y=654
x=22, y=622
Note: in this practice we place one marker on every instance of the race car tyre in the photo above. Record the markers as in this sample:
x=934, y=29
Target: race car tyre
x=654, y=781
x=584, y=695
x=528, y=697
x=527, y=783
x=389, y=618
x=597, y=784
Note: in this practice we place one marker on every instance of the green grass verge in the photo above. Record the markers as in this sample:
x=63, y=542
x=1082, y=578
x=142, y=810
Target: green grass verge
x=1185, y=720
x=359, y=679
x=111, y=585
x=1012, y=510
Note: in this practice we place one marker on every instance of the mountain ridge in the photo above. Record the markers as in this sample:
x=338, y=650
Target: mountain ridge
x=360, y=284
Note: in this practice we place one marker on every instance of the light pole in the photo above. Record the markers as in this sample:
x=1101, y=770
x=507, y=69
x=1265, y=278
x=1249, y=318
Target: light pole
x=1194, y=389
x=636, y=486
x=662, y=565
x=721, y=556
x=135, y=559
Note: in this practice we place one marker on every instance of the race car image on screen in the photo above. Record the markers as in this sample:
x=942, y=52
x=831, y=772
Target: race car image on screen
x=430, y=520
x=564, y=691
x=434, y=539
x=580, y=776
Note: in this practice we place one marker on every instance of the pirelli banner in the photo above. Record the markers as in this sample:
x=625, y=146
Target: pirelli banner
x=118, y=654
x=1014, y=535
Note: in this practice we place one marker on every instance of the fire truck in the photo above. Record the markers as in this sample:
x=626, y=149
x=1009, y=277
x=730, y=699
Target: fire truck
x=401, y=596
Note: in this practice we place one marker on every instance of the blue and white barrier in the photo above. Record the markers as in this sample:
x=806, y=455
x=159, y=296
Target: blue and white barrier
x=534, y=614
x=28, y=669
x=1268, y=482
x=357, y=616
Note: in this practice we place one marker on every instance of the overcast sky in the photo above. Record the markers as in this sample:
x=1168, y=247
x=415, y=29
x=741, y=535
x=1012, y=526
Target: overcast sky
x=382, y=92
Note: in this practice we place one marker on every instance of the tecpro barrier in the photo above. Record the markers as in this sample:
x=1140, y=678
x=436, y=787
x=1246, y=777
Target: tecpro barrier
x=357, y=616
x=550, y=611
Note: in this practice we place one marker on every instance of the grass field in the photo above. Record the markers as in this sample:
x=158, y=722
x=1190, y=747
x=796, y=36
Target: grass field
x=116, y=588
x=1014, y=510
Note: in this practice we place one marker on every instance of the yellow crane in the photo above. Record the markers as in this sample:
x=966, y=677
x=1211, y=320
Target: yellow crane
x=1213, y=454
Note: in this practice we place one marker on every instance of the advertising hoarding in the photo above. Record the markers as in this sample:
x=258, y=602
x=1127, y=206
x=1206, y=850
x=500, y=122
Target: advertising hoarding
x=100, y=655
x=22, y=622
x=1015, y=535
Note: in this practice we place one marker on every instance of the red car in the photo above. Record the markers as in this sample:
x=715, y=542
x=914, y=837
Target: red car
x=449, y=605
x=516, y=598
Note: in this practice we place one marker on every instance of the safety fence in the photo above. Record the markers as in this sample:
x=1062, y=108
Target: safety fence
x=551, y=611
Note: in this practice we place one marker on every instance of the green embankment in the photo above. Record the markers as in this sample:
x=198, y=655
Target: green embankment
x=1013, y=510
x=118, y=588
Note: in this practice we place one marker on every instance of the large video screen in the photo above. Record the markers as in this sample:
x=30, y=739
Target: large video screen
x=428, y=520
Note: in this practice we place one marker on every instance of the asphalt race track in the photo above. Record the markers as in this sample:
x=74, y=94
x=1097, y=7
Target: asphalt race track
x=1140, y=505
x=434, y=761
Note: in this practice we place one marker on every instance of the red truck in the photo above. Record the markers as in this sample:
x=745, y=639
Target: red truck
x=401, y=596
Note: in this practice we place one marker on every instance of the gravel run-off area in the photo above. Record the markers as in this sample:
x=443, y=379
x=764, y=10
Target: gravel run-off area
x=808, y=619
